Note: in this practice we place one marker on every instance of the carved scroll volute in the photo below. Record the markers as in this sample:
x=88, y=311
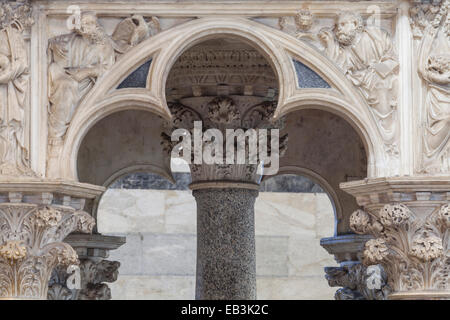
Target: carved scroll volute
x=412, y=250
x=31, y=246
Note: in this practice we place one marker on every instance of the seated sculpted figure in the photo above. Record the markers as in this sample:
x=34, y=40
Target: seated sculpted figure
x=77, y=60
x=366, y=54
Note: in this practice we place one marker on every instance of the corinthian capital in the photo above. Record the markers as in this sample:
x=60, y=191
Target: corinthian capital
x=411, y=248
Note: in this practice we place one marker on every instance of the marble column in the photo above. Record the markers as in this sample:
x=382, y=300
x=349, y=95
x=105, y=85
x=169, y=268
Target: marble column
x=226, y=265
x=408, y=218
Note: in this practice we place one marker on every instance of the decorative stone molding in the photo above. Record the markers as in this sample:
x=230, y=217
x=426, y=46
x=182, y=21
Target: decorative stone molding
x=15, y=21
x=95, y=271
x=410, y=238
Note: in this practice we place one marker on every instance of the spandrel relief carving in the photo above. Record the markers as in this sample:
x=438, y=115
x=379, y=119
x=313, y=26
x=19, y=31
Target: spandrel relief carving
x=15, y=19
x=366, y=55
x=77, y=60
x=431, y=25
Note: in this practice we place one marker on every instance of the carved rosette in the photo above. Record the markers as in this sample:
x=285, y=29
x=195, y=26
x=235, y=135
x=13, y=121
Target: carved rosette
x=412, y=249
x=93, y=275
x=31, y=246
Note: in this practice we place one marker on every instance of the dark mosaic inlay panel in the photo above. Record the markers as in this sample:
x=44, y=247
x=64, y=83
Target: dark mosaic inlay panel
x=138, y=78
x=149, y=181
x=307, y=78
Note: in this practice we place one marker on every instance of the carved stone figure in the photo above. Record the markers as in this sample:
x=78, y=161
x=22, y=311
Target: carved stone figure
x=367, y=56
x=434, y=68
x=14, y=19
x=77, y=60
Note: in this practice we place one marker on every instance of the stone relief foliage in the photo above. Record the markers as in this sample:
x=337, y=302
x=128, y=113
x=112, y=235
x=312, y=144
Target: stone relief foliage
x=412, y=250
x=78, y=59
x=431, y=30
x=224, y=112
x=353, y=280
x=15, y=20
x=31, y=246
x=94, y=274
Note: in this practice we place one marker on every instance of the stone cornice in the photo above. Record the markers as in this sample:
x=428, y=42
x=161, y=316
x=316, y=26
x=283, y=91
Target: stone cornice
x=399, y=189
x=216, y=8
x=74, y=189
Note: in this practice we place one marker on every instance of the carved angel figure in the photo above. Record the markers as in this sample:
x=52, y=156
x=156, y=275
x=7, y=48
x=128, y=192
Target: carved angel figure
x=14, y=80
x=434, y=68
x=366, y=54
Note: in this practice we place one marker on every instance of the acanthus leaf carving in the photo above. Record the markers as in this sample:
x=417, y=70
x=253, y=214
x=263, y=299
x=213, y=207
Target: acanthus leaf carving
x=411, y=250
x=31, y=246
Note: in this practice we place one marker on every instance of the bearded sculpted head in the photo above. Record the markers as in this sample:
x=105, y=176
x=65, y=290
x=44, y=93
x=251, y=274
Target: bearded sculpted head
x=90, y=28
x=348, y=25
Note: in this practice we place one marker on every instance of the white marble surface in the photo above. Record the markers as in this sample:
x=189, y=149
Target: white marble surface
x=159, y=258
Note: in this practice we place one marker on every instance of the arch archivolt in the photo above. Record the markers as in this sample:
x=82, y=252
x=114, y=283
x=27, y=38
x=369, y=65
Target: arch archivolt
x=164, y=49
